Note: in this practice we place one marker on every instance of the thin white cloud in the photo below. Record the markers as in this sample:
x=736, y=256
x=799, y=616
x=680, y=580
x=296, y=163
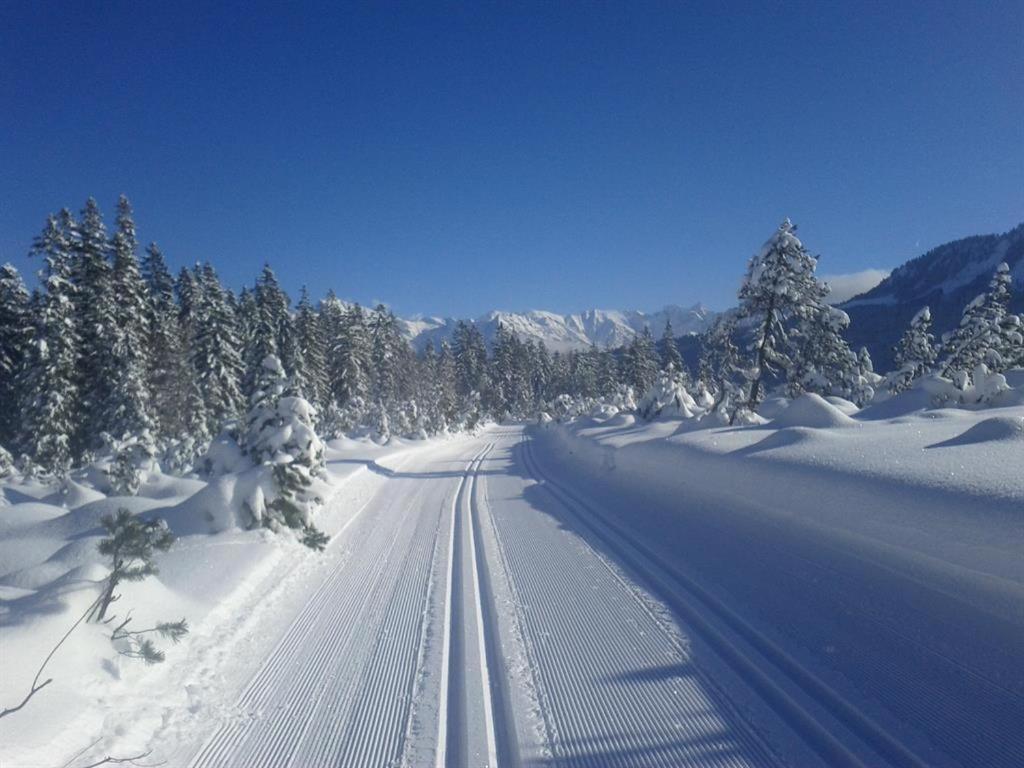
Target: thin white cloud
x=847, y=286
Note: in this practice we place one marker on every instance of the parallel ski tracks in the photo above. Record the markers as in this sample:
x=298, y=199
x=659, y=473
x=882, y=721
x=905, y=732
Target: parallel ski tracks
x=747, y=651
x=472, y=618
x=614, y=685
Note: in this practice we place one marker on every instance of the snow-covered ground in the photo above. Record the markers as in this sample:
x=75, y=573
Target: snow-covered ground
x=830, y=588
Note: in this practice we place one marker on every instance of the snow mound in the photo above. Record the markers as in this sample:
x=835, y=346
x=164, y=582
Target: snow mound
x=843, y=405
x=810, y=410
x=72, y=495
x=996, y=429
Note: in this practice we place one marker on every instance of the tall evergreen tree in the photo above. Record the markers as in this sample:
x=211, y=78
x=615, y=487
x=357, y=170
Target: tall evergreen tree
x=779, y=289
x=168, y=376
x=384, y=356
x=128, y=405
x=96, y=319
x=16, y=332
x=50, y=405
x=309, y=339
x=987, y=334
x=640, y=364
x=470, y=359
x=350, y=359
x=669, y=350
x=216, y=352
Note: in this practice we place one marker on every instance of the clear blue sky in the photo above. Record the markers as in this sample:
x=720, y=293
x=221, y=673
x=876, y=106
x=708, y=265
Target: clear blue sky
x=453, y=159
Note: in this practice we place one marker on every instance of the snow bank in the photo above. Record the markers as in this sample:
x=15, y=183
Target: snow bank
x=943, y=488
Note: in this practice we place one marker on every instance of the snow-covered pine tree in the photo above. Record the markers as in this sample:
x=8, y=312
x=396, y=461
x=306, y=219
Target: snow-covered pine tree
x=583, y=366
x=384, y=357
x=1007, y=334
x=669, y=350
x=269, y=330
x=983, y=334
x=279, y=433
x=96, y=320
x=820, y=360
x=541, y=371
x=915, y=353
x=216, y=352
x=309, y=338
x=128, y=403
x=16, y=332
x=607, y=373
x=779, y=289
x=50, y=406
x=350, y=364
x=470, y=361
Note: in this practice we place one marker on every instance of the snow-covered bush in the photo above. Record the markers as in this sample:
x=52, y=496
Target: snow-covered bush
x=978, y=389
x=667, y=397
x=6, y=463
x=132, y=458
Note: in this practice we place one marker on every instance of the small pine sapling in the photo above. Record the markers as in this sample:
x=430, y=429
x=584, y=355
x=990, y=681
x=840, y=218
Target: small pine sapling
x=131, y=545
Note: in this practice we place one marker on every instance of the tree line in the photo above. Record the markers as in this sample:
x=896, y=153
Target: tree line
x=111, y=347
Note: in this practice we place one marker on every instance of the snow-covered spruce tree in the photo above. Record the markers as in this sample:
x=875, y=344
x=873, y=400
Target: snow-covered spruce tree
x=216, y=352
x=16, y=332
x=669, y=350
x=96, y=320
x=279, y=434
x=128, y=403
x=51, y=398
x=987, y=333
x=914, y=354
x=311, y=379
x=779, y=289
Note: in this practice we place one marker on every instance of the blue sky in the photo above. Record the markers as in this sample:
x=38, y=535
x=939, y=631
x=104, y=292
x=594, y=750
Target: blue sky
x=450, y=159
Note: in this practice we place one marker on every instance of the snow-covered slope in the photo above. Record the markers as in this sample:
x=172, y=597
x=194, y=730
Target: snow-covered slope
x=605, y=328
x=945, y=279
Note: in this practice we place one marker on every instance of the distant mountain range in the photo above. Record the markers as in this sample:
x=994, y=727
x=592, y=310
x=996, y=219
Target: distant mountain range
x=944, y=279
x=561, y=333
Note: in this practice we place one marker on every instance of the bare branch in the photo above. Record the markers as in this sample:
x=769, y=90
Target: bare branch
x=36, y=686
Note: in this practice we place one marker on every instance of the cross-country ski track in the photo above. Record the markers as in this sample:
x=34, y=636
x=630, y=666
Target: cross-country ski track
x=490, y=603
